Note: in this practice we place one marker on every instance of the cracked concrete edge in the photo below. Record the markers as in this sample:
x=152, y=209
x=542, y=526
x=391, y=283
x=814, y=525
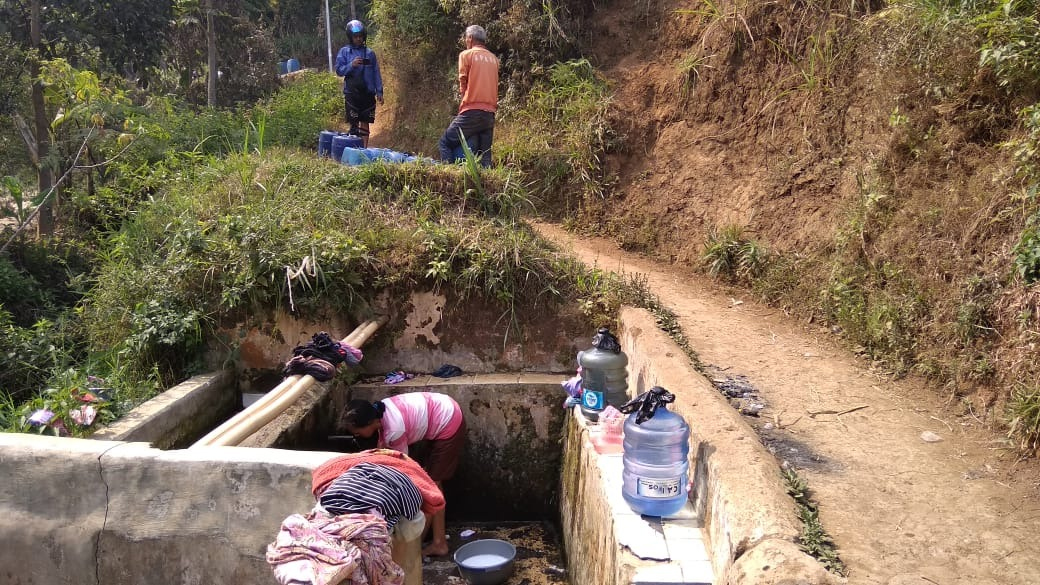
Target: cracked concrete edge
x=778, y=562
x=738, y=488
x=178, y=413
x=79, y=511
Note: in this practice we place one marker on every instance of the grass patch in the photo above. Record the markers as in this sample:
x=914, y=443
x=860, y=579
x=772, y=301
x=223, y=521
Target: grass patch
x=558, y=137
x=1024, y=416
x=814, y=540
x=729, y=254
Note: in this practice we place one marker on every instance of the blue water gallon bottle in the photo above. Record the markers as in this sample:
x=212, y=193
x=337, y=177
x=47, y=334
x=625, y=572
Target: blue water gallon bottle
x=339, y=142
x=325, y=142
x=354, y=156
x=604, y=375
x=283, y=68
x=656, y=451
x=292, y=65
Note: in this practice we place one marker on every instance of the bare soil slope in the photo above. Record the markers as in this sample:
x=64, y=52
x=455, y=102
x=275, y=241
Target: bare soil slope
x=903, y=511
x=861, y=150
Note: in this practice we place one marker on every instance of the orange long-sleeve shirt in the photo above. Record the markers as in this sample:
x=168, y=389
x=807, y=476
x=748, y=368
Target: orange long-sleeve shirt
x=478, y=79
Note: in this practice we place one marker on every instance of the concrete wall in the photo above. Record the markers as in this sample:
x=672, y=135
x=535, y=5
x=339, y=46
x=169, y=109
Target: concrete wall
x=82, y=511
x=424, y=331
x=78, y=511
x=180, y=415
x=510, y=468
x=750, y=523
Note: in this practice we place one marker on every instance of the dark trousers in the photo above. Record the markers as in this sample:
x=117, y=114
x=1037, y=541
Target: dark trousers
x=360, y=107
x=478, y=127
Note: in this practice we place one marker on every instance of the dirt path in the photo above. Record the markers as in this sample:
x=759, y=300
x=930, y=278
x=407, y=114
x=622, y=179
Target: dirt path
x=902, y=511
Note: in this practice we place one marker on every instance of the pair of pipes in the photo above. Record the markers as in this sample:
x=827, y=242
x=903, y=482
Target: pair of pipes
x=239, y=427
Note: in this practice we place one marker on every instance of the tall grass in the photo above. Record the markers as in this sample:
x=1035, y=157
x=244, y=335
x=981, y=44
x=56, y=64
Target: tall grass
x=728, y=253
x=560, y=134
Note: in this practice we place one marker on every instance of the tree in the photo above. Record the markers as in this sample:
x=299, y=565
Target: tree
x=124, y=37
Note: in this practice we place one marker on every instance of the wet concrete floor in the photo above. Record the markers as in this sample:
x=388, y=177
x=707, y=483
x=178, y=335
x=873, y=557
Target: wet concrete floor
x=539, y=553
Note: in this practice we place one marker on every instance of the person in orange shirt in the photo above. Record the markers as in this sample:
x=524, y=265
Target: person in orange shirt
x=478, y=84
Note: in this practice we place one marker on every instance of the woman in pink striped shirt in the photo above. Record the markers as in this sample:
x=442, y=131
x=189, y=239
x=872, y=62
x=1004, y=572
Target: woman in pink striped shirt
x=406, y=419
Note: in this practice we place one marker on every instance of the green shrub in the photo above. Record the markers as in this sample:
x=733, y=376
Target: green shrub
x=21, y=295
x=30, y=355
x=560, y=134
x=1024, y=416
x=299, y=111
x=728, y=253
x=1012, y=44
x=879, y=309
x=1027, y=252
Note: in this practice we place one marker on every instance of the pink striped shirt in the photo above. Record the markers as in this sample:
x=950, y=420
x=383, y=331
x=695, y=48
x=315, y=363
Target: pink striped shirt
x=417, y=416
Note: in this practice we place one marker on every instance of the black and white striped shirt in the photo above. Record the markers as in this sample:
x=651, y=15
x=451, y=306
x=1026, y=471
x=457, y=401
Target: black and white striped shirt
x=368, y=485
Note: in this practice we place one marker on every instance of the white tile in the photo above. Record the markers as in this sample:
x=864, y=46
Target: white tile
x=686, y=513
x=682, y=529
x=658, y=574
x=610, y=467
x=645, y=540
x=697, y=573
x=686, y=549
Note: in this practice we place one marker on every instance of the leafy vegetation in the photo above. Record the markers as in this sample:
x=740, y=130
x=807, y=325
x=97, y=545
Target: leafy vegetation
x=1024, y=416
x=560, y=135
x=729, y=254
x=814, y=539
x=202, y=219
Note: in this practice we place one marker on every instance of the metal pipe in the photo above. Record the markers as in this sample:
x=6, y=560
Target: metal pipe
x=239, y=427
x=328, y=35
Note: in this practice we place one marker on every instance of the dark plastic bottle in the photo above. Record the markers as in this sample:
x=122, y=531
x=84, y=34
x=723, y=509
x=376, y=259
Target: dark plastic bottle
x=604, y=375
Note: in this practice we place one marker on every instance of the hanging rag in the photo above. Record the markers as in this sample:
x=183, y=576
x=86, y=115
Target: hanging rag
x=646, y=403
x=352, y=355
x=320, y=369
x=324, y=347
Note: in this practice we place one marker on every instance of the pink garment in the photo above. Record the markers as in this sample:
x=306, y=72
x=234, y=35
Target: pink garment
x=319, y=549
x=418, y=416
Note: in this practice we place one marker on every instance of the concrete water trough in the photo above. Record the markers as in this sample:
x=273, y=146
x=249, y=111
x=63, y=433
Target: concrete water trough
x=133, y=508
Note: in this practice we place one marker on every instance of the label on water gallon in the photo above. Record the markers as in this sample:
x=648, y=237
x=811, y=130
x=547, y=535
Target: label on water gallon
x=658, y=488
x=592, y=400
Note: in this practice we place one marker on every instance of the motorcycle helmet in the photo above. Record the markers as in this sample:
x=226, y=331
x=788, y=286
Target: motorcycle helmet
x=355, y=27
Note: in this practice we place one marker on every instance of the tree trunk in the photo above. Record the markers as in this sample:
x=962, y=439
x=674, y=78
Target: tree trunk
x=211, y=51
x=45, y=220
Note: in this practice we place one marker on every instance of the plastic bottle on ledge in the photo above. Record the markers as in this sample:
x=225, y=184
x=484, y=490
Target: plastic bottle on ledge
x=604, y=375
x=656, y=451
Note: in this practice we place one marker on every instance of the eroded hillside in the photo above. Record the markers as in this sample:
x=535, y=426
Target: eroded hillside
x=862, y=150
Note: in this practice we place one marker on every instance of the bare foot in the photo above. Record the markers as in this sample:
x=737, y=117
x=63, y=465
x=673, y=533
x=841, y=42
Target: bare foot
x=435, y=549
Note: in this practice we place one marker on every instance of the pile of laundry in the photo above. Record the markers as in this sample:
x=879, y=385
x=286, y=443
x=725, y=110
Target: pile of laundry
x=345, y=538
x=320, y=357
